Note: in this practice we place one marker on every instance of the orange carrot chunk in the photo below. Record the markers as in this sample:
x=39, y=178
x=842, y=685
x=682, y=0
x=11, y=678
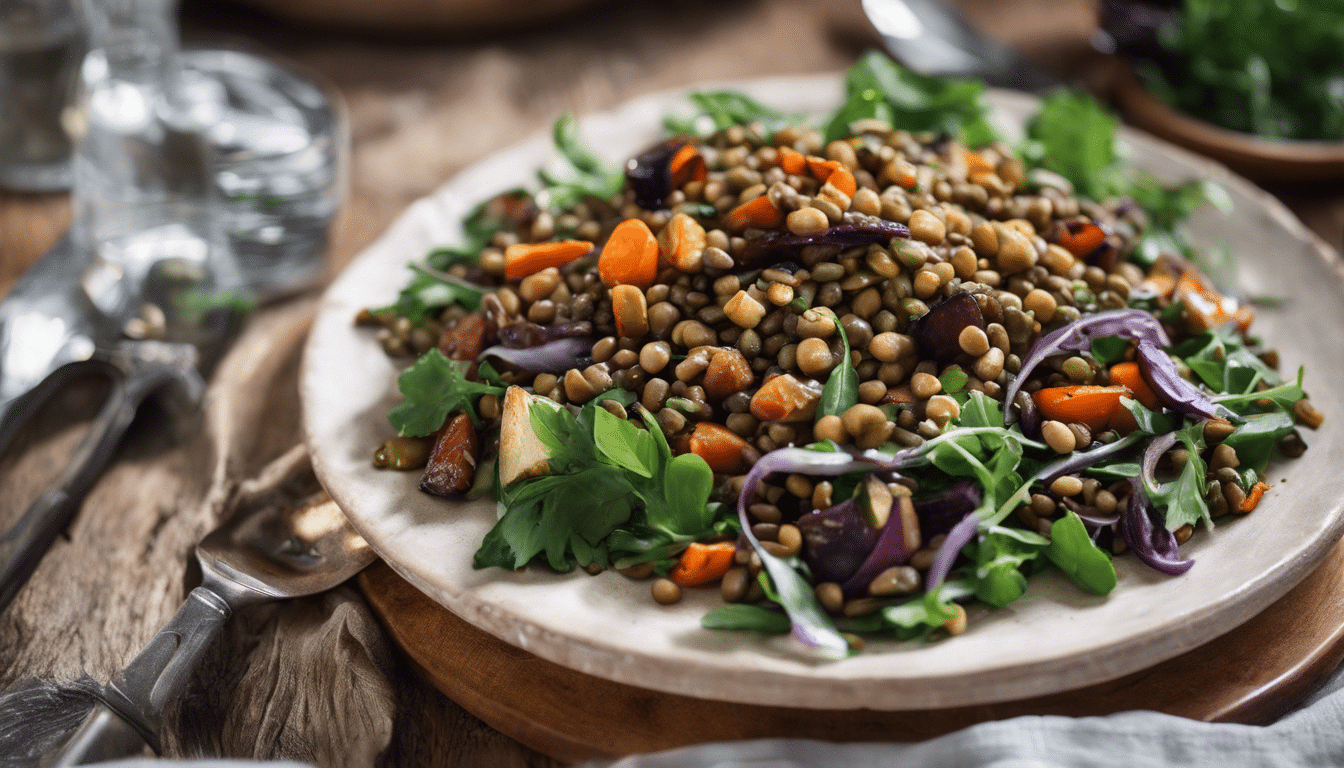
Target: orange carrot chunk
x=687, y=165
x=1206, y=308
x=759, y=213
x=842, y=180
x=1128, y=375
x=1252, y=499
x=720, y=447
x=1082, y=238
x=630, y=256
x=703, y=563
x=523, y=259
x=821, y=168
x=1091, y=406
x=791, y=161
x=976, y=163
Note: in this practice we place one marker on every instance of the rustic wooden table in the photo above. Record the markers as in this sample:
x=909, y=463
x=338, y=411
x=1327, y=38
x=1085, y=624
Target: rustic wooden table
x=317, y=680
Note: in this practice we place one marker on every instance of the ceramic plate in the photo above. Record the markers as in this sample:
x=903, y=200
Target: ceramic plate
x=1054, y=639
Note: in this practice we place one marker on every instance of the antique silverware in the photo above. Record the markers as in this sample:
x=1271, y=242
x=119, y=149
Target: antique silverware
x=269, y=549
x=932, y=38
x=51, y=334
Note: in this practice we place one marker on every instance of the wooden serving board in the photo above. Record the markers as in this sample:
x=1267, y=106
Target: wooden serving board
x=1252, y=675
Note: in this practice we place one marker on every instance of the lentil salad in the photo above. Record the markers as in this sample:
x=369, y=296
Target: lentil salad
x=890, y=349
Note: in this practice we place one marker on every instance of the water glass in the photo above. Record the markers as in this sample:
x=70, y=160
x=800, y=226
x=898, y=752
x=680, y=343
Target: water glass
x=41, y=44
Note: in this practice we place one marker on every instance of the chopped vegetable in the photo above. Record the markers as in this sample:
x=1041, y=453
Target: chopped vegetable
x=703, y=563
x=630, y=256
x=525, y=259
x=1093, y=406
x=719, y=446
x=452, y=463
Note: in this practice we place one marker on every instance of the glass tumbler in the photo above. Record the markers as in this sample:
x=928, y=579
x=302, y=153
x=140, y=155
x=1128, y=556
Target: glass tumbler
x=41, y=44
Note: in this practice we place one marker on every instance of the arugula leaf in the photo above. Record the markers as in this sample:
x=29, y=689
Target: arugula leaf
x=434, y=387
x=1284, y=396
x=718, y=110
x=878, y=87
x=1256, y=439
x=1152, y=422
x=1182, y=500
x=1221, y=359
x=920, y=616
x=585, y=173
x=841, y=390
x=744, y=617
x=1073, y=551
x=999, y=557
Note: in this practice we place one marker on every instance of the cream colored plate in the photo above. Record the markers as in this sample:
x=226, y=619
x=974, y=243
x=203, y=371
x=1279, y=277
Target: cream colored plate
x=1053, y=639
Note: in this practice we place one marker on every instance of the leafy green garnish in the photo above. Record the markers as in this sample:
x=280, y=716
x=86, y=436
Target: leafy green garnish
x=1256, y=439
x=584, y=173
x=841, y=390
x=658, y=505
x=1182, y=499
x=1074, y=553
x=1221, y=359
x=920, y=616
x=718, y=110
x=879, y=88
x=999, y=556
x=434, y=387
x=1074, y=136
x=744, y=617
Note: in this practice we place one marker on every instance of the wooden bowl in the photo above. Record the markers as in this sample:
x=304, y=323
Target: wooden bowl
x=1280, y=161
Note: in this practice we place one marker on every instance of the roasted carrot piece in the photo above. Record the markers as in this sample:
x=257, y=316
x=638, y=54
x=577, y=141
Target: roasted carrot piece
x=703, y=563
x=976, y=163
x=720, y=447
x=687, y=164
x=1088, y=405
x=759, y=213
x=728, y=372
x=1206, y=308
x=821, y=168
x=452, y=463
x=842, y=180
x=525, y=259
x=785, y=398
x=791, y=161
x=1252, y=499
x=1127, y=374
x=630, y=256
x=1082, y=238
x=465, y=339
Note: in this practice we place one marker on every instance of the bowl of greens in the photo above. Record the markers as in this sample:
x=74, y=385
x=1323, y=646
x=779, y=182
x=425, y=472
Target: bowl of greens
x=1259, y=86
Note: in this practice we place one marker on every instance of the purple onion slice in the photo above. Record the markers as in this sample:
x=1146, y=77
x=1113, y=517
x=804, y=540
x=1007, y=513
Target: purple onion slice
x=1175, y=392
x=554, y=356
x=776, y=246
x=1077, y=337
x=960, y=535
x=836, y=541
x=1142, y=527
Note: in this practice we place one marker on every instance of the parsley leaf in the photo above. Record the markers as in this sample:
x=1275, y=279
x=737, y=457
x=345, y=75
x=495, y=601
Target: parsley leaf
x=434, y=387
x=877, y=87
x=1074, y=136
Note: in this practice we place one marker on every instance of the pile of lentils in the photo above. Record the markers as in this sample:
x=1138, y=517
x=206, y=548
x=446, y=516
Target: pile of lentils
x=986, y=228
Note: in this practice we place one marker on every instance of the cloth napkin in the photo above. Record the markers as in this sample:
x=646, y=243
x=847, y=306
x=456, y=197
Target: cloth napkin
x=1310, y=737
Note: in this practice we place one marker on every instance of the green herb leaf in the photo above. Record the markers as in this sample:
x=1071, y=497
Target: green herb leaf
x=1073, y=551
x=744, y=617
x=1256, y=439
x=624, y=444
x=999, y=557
x=920, y=616
x=877, y=87
x=1074, y=136
x=687, y=483
x=434, y=387
x=841, y=390
x=718, y=110
x=584, y=173
x=1182, y=500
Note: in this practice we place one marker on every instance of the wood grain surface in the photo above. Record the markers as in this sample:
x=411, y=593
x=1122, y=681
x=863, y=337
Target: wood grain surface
x=1250, y=675
x=419, y=111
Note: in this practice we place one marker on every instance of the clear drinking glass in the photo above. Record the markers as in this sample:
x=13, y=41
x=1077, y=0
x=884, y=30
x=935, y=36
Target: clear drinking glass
x=277, y=142
x=144, y=186
x=41, y=43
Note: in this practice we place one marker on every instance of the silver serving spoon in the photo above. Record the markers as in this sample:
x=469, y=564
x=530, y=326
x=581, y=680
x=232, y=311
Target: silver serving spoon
x=932, y=38
x=270, y=549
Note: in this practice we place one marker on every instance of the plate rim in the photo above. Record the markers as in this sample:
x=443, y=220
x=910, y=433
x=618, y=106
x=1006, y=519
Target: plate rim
x=1021, y=681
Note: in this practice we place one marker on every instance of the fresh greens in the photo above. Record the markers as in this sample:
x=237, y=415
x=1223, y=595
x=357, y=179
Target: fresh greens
x=718, y=110
x=1072, y=550
x=585, y=173
x=879, y=88
x=434, y=387
x=1074, y=136
x=614, y=492
x=746, y=618
x=1271, y=68
x=841, y=390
